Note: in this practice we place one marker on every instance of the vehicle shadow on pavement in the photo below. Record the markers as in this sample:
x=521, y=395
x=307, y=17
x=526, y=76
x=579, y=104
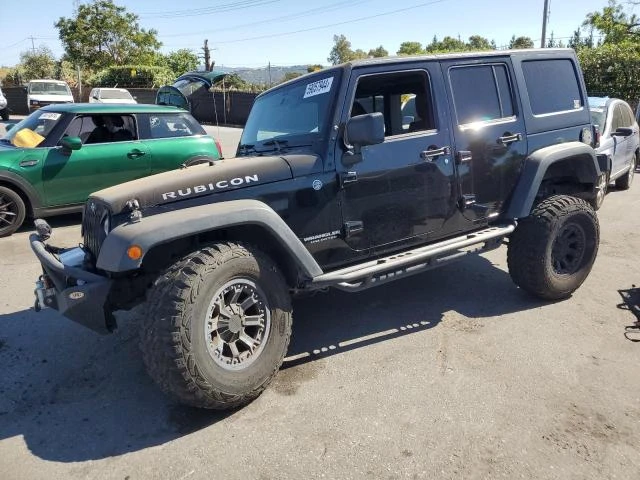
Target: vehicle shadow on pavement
x=73, y=395
x=631, y=302
x=58, y=221
x=334, y=322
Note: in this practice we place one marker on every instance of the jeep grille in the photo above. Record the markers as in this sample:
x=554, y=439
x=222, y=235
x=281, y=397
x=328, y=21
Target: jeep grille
x=93, y=226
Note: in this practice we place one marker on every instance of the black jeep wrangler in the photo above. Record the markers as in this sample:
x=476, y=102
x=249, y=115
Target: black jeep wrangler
x=349, y=177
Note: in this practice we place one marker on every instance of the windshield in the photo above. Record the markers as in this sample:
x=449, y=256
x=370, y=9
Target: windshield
x=115, y=94
x=188, y=86
x=33, y=130
x=49, y=88
x=599, y=117
x=301, y=109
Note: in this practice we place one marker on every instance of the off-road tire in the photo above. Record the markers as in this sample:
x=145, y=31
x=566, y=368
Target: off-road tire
x=557, y=226
x=12, y=211
x=624, y=182
x=172, y=336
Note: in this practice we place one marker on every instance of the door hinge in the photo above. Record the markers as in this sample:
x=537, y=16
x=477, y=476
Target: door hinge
x=348, y=177
x=353, y=227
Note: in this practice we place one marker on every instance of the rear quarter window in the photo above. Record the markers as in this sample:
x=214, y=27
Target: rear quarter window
x=167, y=125
x=552, y=86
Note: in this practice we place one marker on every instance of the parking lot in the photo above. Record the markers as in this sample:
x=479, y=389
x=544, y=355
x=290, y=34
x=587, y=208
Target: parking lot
x=450, y=374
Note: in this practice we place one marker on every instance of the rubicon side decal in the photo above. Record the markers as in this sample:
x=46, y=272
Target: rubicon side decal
x=209, y=187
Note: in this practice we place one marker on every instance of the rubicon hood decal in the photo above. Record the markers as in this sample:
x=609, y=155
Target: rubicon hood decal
x=176, y=185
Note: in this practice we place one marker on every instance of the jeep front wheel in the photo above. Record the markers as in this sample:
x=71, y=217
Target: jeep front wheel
x=217, y=326
x=551, y=252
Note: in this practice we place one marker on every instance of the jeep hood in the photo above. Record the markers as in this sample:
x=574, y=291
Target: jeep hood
x=190, y=182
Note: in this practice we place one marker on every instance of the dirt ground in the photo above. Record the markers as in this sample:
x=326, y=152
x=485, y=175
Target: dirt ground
x=451, y=374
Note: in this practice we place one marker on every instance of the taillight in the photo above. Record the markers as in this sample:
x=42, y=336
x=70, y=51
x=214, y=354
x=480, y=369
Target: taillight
x=596, y=136
x=219, y=147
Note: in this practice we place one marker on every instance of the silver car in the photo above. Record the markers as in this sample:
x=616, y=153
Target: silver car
x=619, y=140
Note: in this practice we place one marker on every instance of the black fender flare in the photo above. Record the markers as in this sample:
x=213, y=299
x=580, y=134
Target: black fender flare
x=166, y=227
x=587, y=169
x=25, y=187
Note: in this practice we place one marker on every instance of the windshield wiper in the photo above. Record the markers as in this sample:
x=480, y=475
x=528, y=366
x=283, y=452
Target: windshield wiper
x=246, y=148
x=278, y=145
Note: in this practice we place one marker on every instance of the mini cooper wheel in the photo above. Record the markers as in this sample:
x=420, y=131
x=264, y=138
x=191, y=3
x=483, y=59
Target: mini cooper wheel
x=217, y=326
x=12, y=211
x=551, y=252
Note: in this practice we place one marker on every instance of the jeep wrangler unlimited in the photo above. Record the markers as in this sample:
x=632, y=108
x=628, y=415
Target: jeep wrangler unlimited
x=349, y=177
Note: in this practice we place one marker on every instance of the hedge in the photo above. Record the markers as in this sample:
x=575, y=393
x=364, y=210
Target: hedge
x=133, y=76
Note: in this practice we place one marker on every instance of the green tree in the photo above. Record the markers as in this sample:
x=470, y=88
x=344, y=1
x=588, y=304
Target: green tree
x=410, y=48
x=520, y=42
x=290, y=76
x=314, y=68
x=378, y=52
x=341, y=51
x=37, y=64
x=181, y=61
x=614, y=23
x=448, y=44
x=103, y=34
x=359, y=54
x=476, y=42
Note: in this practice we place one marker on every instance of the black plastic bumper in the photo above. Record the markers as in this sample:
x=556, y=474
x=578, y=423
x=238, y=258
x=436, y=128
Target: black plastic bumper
x=80, y=295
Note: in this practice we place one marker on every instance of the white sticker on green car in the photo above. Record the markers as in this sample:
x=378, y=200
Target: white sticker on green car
x=318, y=88
x=50, y=116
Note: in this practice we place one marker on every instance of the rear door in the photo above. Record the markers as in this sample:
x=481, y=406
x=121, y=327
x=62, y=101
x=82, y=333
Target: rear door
x=175, y=138
x=404, y=188
x=110, y=154
x=489, y=132
x=621, y=144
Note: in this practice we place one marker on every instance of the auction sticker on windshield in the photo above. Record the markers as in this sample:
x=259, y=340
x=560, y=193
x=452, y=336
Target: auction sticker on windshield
x=50, y=116
x=318, y=88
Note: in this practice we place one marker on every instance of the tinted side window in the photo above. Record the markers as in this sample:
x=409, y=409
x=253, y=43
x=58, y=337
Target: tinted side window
x=404, y=98
x=481, y=93
x=617, y=120
x=627, y=116
x=168, y=125
x=565, y=94
x=102, y=128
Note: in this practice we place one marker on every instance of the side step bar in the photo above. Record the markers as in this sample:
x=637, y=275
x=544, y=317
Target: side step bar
x=383, y=270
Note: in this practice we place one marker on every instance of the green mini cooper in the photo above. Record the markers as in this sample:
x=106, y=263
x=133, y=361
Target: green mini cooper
x=52, y=160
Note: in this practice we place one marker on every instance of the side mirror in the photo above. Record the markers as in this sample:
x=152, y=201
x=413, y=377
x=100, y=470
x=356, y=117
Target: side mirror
x=363, y=130
x=71, y=143
x=623, y=132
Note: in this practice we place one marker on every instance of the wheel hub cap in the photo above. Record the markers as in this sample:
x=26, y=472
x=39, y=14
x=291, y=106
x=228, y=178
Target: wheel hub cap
x=568, y=249
x=237, y=324
x=8, y=211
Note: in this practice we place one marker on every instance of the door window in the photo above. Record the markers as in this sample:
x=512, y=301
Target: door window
x=481, y=93
x=627, y=116
x=174, y=125
x=617, y=120
x=403, y=98
x=102, y=128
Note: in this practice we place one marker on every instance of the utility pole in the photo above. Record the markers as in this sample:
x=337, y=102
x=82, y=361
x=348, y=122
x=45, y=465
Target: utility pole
x=33, y=47
x=269, y=68
x=207, y=56
x=545, y=18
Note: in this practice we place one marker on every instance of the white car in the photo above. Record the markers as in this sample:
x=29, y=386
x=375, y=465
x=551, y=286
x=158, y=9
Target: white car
x=111, y=95
x=619, y=140
x=4, y=110
x=41, y=93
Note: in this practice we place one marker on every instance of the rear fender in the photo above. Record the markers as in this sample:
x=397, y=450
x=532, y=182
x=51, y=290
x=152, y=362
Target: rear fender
x=582, y=161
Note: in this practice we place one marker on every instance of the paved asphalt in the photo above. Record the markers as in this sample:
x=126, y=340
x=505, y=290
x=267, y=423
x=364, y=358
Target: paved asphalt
x=452, y=374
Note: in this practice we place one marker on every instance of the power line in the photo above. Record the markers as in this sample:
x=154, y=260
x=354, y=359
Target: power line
x=346, y=22
x=329, y=8
x=227, y=7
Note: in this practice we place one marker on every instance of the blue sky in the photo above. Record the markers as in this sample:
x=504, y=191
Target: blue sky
x=291, y=32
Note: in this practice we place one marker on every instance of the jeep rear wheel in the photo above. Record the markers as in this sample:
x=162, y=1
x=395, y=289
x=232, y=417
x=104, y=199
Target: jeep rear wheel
x=217, y=326
x=12, y=211
x=551, y=252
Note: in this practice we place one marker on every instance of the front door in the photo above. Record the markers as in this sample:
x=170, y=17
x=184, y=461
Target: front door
x=110, y=154
x=489, y=132
x=404, y=188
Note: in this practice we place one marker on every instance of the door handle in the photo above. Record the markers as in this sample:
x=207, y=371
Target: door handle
x=507, y=138
x=463, y=156
x=136, y=153
x=28, y=163
x=432, y=153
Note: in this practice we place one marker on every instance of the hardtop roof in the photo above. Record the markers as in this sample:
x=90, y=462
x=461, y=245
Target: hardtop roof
x=97, y=108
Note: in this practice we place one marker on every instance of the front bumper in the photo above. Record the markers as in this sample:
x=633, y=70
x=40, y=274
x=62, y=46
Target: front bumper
x=78, y=294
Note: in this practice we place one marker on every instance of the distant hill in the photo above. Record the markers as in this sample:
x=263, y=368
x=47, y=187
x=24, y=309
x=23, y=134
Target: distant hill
x=261, y=75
